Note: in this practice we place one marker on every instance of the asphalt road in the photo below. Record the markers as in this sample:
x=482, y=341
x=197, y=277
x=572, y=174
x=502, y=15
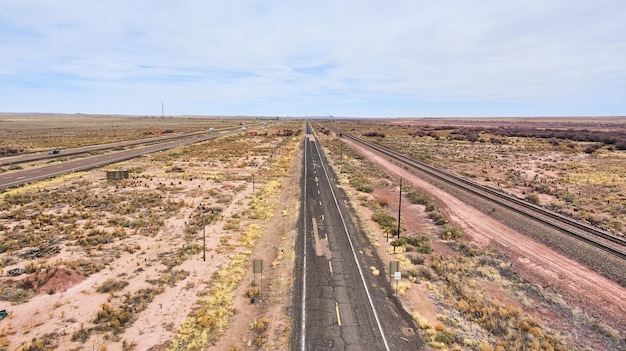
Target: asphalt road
x=14, y=179
x=12, y=160
x=338, y=303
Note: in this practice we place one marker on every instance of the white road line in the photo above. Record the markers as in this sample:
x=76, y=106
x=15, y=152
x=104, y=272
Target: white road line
x=303, y=321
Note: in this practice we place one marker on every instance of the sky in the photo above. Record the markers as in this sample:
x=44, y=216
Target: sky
x=413, y=58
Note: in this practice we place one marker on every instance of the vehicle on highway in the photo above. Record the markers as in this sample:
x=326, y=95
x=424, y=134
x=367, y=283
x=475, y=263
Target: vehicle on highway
x=53, y=152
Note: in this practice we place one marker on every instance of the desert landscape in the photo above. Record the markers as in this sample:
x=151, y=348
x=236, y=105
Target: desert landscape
x=474, y=283
x=121, y=265
x=163, y=260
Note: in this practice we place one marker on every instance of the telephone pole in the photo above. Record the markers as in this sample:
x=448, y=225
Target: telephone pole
x=399, y=208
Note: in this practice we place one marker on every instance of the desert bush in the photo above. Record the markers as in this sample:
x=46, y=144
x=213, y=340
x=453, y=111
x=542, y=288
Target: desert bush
x=467, y=250
x=505, y=322
x=437, y=216
x=81, y=334
x=416, y=259
x=170, y=277
x=444, y=337
x=374, y=134
x=418, y=198
x=111, y=285
x=233, y=224
x=36, y=344
x=381, y=201
x=422, y=243
x=450, y=232
x=360, y=183
x=589, y=149
x=16, y=294
x=128, y=345
x=532, y=198
x=384, y=219
x=259, y=325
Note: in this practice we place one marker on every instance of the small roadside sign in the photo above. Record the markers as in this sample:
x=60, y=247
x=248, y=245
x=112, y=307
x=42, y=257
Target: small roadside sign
x=397, y=275
x=257, y=266
x=394, y=266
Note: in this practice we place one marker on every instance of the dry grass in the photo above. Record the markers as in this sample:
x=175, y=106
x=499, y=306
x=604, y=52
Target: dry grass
x=43, y=132
x=481, y=303
x=209, y=321
x=560, y=174
x=100, y=224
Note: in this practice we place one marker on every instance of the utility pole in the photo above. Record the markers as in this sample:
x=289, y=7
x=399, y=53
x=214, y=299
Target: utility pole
x=399, y=208
x=203, y=239
x=341, y=152
x=162, y=110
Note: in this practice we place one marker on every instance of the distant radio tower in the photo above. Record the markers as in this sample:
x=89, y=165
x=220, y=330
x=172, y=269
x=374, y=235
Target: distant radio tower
x=162, y=110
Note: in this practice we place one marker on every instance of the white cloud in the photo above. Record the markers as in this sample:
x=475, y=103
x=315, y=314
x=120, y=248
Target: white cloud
x=303, y=58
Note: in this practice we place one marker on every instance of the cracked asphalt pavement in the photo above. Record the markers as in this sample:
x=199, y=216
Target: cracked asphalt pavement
x=338, y=303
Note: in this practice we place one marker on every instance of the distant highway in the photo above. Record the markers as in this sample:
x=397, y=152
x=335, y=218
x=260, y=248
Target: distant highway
x=11, y=160
x=15, y=179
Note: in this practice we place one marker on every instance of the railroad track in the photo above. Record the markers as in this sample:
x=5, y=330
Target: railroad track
x=587, y=233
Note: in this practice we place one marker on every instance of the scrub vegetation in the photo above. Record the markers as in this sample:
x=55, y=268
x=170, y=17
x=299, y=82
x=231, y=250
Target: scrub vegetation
x=479, y=301
x=140, y=239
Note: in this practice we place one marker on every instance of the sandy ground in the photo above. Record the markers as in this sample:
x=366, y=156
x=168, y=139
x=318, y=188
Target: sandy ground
x=66, y=311
x=532, y=261
x=74, y=302
x=68, y=302
x=275, y=248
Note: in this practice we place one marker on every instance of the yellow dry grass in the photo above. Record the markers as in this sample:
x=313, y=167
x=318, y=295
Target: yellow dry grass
x=206, y=324
x=43, y=184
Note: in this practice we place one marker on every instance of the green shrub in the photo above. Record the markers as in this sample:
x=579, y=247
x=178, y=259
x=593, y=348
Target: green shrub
x=416, y=259
x=384, y=219
x=533, y=198
x=438, y=217
x=422, y=243
x=361, y=184
x=417, y=198
x=450, y=232
x=444, y=337
x=111, y=285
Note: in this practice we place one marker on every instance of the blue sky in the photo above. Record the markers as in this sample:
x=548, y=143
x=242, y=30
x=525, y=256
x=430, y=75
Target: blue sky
x=414, y=58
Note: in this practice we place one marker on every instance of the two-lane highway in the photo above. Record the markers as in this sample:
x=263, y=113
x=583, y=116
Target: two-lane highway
x=341, y=305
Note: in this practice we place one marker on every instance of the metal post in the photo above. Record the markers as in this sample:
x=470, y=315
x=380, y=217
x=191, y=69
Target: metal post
x=203, y=240
x=399, y=208
x=340, y=152
x=397, y=288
